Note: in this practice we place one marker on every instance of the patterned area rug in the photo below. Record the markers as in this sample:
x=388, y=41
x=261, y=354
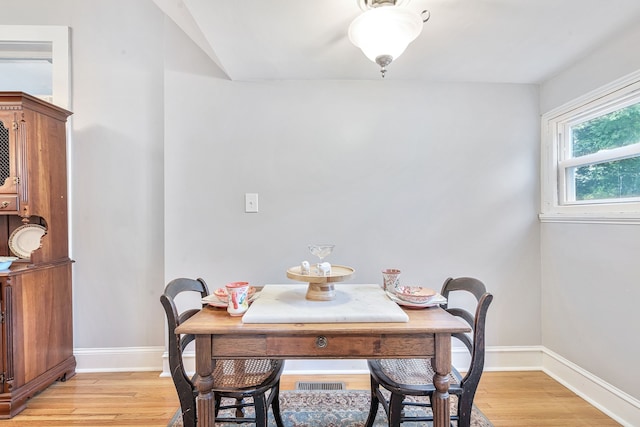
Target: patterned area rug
x=341, y=408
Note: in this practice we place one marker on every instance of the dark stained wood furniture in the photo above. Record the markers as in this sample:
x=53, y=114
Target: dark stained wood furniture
x=415, y=377
x=218, y=335
x=36, y=333
x=258, y=379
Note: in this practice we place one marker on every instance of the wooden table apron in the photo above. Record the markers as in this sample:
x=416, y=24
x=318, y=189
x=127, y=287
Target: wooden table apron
x=220, y=336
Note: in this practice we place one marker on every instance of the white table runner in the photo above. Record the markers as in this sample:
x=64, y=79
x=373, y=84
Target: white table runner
x=352, y=303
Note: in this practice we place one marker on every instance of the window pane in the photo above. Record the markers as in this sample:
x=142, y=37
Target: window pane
x=33, y=77
x=616, y=129
x=611, y=180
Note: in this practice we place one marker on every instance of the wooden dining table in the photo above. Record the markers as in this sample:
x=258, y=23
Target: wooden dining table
x=426, y=334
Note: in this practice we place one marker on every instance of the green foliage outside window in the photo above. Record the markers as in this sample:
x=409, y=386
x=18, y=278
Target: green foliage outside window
x=609, y=180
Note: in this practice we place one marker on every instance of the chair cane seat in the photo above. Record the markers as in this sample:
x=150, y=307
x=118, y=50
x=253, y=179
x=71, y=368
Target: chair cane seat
x=244, y=373
x=411, y=372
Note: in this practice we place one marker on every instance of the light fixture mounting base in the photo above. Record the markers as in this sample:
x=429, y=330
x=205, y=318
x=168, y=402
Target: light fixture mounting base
x=368, y=4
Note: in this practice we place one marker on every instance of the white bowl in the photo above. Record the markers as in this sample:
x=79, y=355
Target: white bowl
x=6, y=261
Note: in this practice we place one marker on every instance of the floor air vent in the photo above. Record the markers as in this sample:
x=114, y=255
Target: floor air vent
x=322, y=386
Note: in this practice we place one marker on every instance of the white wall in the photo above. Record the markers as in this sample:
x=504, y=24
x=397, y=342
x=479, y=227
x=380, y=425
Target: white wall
x=590, y=271
x=435, y=179
x=613, y=60
x=116, y=165
x=117, y=190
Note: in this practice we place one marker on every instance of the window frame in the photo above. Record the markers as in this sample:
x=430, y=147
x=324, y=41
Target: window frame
x=555, y=126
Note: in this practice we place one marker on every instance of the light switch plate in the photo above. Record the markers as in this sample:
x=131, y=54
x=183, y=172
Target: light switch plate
x=251, y=202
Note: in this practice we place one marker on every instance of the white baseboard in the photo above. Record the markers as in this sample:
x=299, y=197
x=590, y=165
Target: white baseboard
x=617, y=404
x=119, y=359
x=620, y=406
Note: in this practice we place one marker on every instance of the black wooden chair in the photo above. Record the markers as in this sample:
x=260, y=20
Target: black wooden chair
x=394, y=379
x=257, y=379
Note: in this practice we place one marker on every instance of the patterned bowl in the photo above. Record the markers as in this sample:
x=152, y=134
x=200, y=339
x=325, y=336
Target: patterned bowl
x=415, y=294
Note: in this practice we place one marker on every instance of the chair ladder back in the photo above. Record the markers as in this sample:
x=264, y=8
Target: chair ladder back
x=467, y=284
x=177, y=286
x=177, y=344
x=476, y=366
x=465, y=337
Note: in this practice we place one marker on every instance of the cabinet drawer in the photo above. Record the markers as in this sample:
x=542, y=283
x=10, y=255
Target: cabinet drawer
x=350, y=346
x=8, y=203
x=323, y=345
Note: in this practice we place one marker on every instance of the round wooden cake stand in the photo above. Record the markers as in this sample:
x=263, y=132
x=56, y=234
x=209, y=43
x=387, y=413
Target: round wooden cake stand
x=321, y=288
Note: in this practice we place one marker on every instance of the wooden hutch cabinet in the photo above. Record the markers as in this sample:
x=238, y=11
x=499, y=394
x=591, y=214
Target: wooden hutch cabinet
x=36, y=329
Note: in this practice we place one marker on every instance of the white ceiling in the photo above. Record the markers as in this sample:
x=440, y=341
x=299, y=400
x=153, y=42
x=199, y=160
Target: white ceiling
x=512, y=41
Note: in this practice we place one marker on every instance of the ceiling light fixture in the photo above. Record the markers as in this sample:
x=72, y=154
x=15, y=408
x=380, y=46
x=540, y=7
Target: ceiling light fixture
x=385, y=30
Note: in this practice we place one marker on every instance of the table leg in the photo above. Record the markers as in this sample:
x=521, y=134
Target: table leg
x=204, y=367
x=442, y=367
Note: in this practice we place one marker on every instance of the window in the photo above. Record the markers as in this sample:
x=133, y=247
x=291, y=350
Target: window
x=591, y=157
x=29, y=54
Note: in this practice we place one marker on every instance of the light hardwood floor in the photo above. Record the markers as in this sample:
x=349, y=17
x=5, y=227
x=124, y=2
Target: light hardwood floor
x=508, y=399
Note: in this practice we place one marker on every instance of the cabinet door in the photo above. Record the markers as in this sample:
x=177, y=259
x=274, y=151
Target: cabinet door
x=8, y=156
x=3, y=337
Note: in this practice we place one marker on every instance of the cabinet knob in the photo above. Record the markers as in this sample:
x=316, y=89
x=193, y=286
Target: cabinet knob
x=4, y=204
x=321, y=342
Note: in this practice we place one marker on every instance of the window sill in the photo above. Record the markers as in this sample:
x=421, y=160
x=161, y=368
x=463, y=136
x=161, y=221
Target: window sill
x=596, y=218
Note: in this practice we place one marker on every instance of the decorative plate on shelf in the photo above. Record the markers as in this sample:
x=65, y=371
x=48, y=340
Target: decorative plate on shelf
x=26, y=239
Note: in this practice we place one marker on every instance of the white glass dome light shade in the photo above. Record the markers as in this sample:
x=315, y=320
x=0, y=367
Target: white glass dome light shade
x=385, y=30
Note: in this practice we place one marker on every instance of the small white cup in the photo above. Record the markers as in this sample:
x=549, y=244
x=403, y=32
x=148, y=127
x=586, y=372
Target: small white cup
x=390, y=279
